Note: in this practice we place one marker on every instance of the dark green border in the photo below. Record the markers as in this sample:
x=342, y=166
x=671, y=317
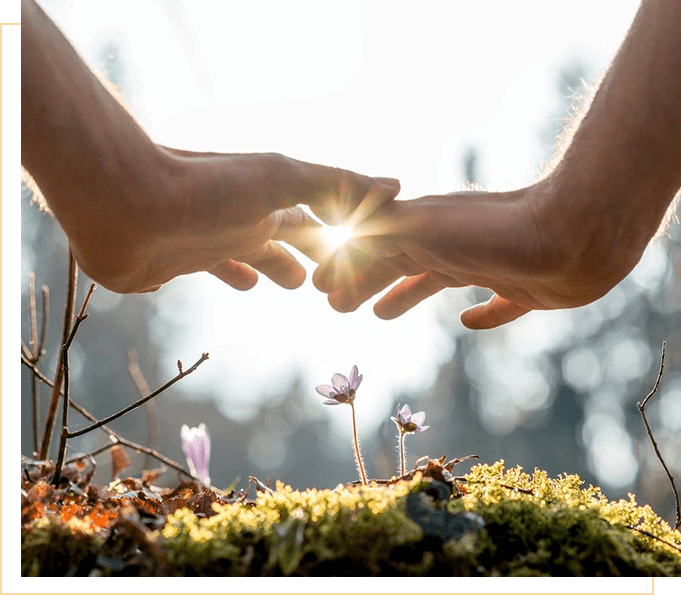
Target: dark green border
x=12, y=582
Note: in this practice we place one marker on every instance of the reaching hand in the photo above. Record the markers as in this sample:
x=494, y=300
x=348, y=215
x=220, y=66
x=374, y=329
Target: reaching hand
x=221, y=214
x=506, y=242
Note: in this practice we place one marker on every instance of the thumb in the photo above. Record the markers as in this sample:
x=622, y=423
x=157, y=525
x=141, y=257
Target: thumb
x=491, y=314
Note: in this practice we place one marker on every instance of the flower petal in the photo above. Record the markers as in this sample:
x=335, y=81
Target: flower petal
x=421, y=429
x=419, y=418
x=332, y=402
x=359, y=381
x=340, y=383
x=404, y=414
x=353, y=377
x=326, y=390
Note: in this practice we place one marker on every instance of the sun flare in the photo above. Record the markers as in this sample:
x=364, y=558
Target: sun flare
x=336, y=235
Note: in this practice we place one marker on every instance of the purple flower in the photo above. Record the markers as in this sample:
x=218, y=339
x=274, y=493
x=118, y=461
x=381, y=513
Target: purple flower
x=408, y=422
x=343, y=389
x=196, y=447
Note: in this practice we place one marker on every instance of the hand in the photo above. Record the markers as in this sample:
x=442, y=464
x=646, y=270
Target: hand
x=510, y=242
x=137, y=214
x=221, y=214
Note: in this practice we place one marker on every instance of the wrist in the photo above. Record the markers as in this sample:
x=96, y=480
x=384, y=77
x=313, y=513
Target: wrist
x=591, y=238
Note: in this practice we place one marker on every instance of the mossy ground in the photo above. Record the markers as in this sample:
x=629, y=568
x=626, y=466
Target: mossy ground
x=534, y=525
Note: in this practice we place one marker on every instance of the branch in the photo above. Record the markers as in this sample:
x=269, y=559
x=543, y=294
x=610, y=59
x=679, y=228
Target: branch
x=142, y=401
x=91, y=454
x=65, y=362
x=26, y=351
x=653, y=536
x=123, y=441
x=150, y=407
x=66, y=329
x=641, y=408
x=43, y=326
x=36, y=351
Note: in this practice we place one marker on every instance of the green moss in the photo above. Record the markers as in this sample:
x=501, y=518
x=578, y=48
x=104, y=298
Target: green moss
x=534, y=526
x=51, y=547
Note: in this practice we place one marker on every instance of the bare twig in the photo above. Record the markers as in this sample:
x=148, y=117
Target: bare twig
x=94, y=453
x=33, y=324
x=653, y=536
x=25, y=350
x=141, y=402
x=66, y=329
x=36, y=350
x=33, y=343
x=43, y=324
x=114, y=435
x=150, y=406
x=641, y=408
x=65, y=362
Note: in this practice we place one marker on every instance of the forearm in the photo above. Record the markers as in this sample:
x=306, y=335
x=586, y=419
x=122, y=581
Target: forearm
x=623, y=166
x=78, y=142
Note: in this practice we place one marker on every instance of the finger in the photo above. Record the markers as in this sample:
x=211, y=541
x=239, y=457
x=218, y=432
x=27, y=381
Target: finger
x=277, y=263
x=343, y=266
x=236, y=274
x=335, y=195
x=353, y=291
x=363, y=286
x=297, y=228
x=407, y=294
x=494, y=312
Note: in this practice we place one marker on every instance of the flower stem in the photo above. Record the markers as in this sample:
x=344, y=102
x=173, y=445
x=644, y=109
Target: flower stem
x=358, y=454
x=402, y=455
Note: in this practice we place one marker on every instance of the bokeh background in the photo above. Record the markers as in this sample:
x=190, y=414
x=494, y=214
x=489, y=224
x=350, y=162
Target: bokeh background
x=440, y=96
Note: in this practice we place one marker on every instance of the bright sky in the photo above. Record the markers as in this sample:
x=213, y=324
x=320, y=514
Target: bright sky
x=381, y=88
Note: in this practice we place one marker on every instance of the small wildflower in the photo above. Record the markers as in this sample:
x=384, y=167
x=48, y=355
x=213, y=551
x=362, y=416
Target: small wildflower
x=196, y=447
x=407, y=423
x=343, y=390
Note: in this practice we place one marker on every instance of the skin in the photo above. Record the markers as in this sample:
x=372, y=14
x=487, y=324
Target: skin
x=562, y=242
x=138, y=214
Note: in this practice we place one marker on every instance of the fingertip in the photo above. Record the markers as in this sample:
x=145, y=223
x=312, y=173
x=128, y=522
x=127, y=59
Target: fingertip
x=295, y=278
x=343, y=303
x=496, y=312
x=392, y=184
x=384, y=313
x=237, y=275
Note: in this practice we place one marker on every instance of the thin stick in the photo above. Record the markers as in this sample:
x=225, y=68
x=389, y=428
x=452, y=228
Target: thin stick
x=150, y=407
x=66, y=329
x=123, y=441
x=402, y=455
x=141, y=402
x=358, y=454
x=641, y=408
x=92, y=454
x=653, y=536
x=33, y=324
x=33, y=342
x=43, y=326
x=36, y=351
x=65, y=361
x=26, y=350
